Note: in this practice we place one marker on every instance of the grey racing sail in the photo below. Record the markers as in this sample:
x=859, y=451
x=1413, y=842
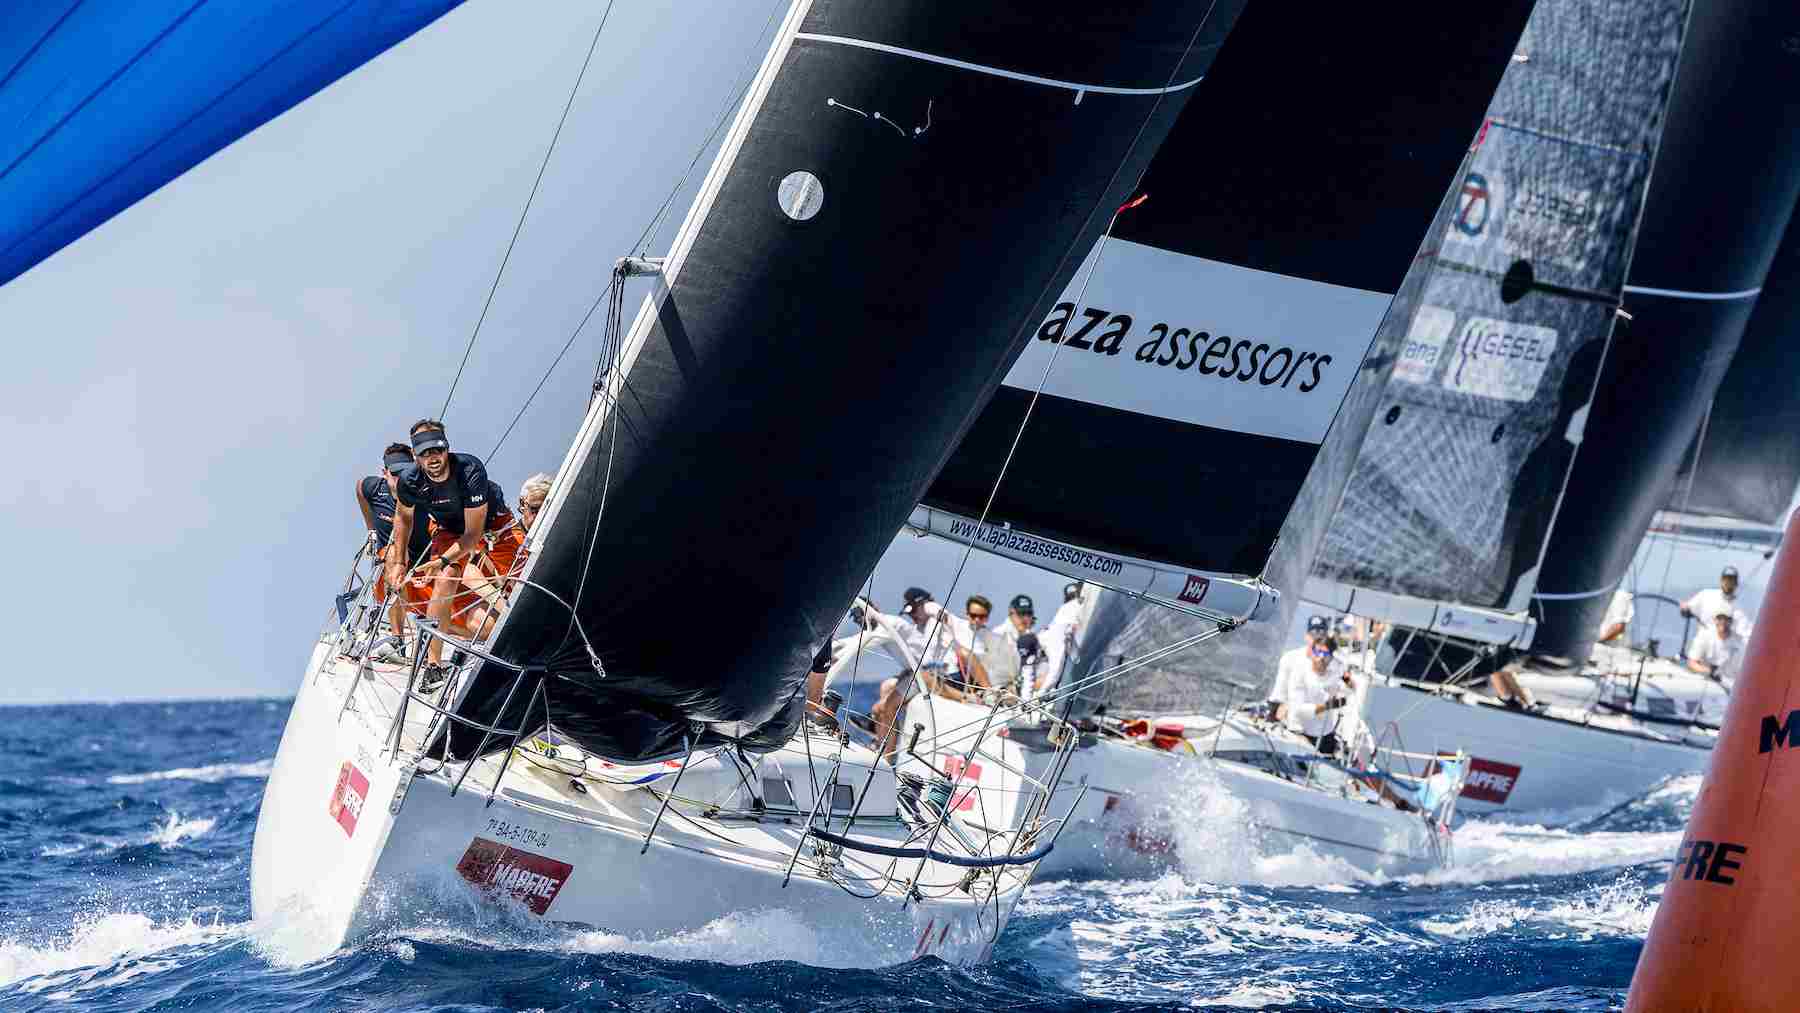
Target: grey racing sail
x=1442, y=523
x=1171, y=404
x=1722, y=196
x=906, y=188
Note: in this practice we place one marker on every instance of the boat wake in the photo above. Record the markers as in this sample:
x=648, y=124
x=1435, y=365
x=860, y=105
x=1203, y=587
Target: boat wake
x=209, y=774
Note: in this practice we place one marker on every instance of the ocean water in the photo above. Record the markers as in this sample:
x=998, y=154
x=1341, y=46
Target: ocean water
x=125, y=838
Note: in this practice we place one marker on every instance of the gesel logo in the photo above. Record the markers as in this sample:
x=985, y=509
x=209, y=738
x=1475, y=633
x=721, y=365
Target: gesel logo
x=347, y=798
x=1195, y=589
x=530, y=878
x=1490, y=780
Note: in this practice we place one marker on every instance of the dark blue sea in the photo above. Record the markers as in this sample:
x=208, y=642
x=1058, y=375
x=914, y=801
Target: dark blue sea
x=125, y=841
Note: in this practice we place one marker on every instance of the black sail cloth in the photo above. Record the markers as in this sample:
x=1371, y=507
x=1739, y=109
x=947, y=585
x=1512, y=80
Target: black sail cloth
x=1723, y=192
x=1745, y=464
x=1258, y=176
x=821, y=347
x=1196, y=373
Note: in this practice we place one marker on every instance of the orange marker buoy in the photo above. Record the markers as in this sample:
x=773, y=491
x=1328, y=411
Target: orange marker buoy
x=1727, y=934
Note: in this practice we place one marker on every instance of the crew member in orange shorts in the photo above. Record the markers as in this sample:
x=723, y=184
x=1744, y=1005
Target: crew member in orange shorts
x=474, y=536
x=375, y=497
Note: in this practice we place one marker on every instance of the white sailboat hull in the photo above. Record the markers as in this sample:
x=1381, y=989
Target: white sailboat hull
x=1530, y=764
x=348, y=845
x=1145, y=807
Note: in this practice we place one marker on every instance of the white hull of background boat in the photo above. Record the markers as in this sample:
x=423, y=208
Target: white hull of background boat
x=1144, y=805
x=1554, y=766
x=349, y=842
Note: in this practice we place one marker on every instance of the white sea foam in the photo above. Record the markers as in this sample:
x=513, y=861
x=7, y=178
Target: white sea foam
x=1624, y=907
x=174, y=830
x=103, y=950
x=1485, y=852
x=208, y=774
x=170, y=833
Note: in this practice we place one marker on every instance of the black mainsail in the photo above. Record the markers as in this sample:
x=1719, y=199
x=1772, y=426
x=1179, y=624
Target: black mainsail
x=1442, y=523
x=1724, y=190
x=1179, y=389
x=1745, y=462
x=906, y=188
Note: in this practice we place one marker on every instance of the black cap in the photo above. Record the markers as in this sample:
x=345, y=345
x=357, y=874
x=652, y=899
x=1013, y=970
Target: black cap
x=1318, y=624
x=913, y=596
x=1022, y=603
x=429, y=439
x=1729, y=571
x=396, y=462
x=1072, y=591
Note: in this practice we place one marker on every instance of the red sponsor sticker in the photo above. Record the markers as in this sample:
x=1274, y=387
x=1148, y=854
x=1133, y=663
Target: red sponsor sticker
x=530, y=878
x=964, y=800
x=1489, y=780
x=1194, y=590
x=347, y=798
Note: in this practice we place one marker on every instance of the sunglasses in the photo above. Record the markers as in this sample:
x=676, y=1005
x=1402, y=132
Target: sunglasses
x=433, y=452
x=978, y=615
x=1321, y=651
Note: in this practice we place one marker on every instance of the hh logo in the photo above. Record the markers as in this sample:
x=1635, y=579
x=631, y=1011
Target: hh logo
x=1490, y=780
x=530, y=878
x=1195, y=589
x=963, y=800
x=347, y=798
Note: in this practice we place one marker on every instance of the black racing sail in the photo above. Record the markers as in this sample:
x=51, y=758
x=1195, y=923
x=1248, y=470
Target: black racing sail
x=1745, y=462
x=1723, y=193
x=1443, y=521
x=102, y=103
x=905, y=190
x=1178, y=390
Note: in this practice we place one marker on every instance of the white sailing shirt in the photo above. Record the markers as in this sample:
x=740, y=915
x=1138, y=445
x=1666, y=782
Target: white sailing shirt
x=1712, y=601
x=1300, y=690
x=1002, y=663
x=1007, y=637
x=1620, y=610
x=1056, y=641
x=1723, y=655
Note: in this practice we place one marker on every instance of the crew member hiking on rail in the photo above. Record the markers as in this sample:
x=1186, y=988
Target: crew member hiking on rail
x=375, y=496
x=473, y=539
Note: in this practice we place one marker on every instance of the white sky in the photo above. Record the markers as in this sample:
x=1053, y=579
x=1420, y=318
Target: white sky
x=193, y=388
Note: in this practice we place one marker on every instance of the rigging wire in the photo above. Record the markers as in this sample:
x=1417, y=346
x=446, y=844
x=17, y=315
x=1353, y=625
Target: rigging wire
x=519, y=226
x=994, y=492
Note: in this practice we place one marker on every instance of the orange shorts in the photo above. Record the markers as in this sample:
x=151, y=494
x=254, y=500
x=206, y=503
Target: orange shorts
x=417, y=595
x=500, y=552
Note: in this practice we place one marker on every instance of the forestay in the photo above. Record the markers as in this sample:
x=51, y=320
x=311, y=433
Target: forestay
x=1442, y=523
x=104, y=102
x=1723, y=192
x=1191, y=370
x=906, y=188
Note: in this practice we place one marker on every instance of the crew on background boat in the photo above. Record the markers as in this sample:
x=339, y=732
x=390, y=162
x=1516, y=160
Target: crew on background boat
x=474, y=539
x=1619, y=613
x=375, y=497
x=1717, y=649
x=1312, y=687
x=1059, y=638
x=531, y=499
x=1019, y=619
x=1713, y=600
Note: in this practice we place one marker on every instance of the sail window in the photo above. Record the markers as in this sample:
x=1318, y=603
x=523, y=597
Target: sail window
x=800, y=195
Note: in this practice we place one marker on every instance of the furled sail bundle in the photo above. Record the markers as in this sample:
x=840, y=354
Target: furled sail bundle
x=1745, y=462
x=1723, y=193
x=906, y=189
x=1174, y=399
x=104, y=102
x=1442, y=523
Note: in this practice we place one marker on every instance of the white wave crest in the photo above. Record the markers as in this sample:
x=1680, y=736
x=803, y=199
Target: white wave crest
x=103, y=951
x=174, y=830
x=168, y=834
x=1486, y=852
x=1623, y=907
x=208, y=774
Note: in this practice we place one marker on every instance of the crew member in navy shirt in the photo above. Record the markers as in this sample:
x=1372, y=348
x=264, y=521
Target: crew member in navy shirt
x=375, y=496
x=474, y=540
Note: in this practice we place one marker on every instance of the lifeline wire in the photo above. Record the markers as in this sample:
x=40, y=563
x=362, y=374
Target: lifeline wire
x=520, y=224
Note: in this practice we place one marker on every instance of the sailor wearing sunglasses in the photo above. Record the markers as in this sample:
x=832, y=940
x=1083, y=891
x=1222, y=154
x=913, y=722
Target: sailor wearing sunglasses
x=1311, y=687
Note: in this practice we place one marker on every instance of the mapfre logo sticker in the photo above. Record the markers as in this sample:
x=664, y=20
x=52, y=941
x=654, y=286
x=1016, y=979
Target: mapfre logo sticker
x=346, y=803
x=1489, y=780
x=532, y=879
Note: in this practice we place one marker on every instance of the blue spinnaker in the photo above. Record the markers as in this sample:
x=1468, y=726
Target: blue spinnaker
x=104, y=101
